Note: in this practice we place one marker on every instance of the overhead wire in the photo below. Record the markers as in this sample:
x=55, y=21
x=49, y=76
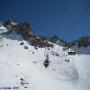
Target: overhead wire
x=80, y=18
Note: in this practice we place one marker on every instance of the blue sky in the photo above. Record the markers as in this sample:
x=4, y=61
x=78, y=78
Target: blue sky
x=68, y=19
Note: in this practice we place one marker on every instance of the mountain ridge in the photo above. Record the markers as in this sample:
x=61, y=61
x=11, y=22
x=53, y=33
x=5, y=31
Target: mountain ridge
x=25, y=30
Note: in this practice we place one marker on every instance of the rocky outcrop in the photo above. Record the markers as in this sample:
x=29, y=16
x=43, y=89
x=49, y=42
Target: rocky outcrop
x=81, y=42
x=37, y=41
x=24, y=29
x=10, y=24
x=84, y=41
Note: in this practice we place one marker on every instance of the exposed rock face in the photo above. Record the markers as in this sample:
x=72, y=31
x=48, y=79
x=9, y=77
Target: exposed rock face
x=24, y=29
x=37, y=41
x=81, y=42
x=84, y=41
x=10, y=24
x=55, y=39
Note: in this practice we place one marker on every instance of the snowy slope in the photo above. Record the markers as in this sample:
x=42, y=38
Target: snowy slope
x=2, y=29
x=24, y=69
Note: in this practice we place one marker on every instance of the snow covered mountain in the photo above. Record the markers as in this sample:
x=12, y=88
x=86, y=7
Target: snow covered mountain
x=22, y=66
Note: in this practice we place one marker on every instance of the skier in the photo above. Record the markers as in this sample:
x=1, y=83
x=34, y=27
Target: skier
x=46, y=62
